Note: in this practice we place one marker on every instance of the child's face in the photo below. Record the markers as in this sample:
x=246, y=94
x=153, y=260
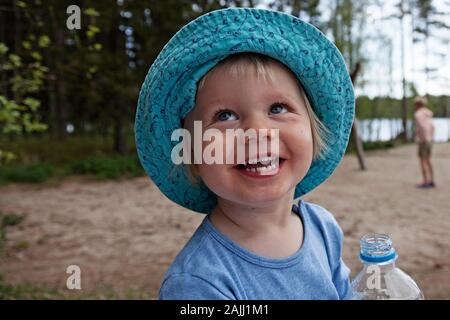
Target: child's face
x=248, y=102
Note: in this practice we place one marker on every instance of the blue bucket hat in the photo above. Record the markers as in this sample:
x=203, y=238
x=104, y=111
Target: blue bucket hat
x=169, y=90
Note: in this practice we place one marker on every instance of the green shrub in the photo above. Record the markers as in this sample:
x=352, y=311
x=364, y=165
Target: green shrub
x=46, y=149
x=108, y=167
x=40, y=157
x=375, y=145
x=8, y=220
x=11, y=219
x=37, y=172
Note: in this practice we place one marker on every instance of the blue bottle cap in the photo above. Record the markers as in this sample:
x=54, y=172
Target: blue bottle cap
x=377, y=248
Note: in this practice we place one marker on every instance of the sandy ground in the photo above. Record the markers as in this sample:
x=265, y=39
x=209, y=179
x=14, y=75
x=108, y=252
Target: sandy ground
x=124, y=234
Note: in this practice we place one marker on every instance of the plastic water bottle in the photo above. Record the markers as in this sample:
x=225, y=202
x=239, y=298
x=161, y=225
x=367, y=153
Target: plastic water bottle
x=380, y=279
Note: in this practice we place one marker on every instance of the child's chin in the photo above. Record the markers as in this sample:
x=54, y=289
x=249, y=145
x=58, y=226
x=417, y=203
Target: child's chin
x=261, y=195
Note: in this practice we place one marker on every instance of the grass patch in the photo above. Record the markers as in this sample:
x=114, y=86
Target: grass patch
x=40, y=158
x=378, y=145
x=8, y=220
x=108, y=167
x=101, y=167
x=375, y=145
x=46, y=149
x=21, y=245
x=38, y=172
x=25, y=291
x=11, y=219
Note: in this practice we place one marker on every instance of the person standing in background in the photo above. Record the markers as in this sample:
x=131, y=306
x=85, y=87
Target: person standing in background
x=423, y=118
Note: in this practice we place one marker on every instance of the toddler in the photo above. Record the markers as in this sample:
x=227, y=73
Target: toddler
x=250, y=69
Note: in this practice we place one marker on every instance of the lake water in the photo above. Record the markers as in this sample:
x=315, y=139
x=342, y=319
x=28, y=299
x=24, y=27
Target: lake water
x=387, y=129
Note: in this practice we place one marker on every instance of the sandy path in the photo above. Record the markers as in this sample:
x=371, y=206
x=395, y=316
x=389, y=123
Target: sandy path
x=123, y=235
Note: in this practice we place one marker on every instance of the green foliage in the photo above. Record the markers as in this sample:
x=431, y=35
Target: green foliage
x=7, y=156
x=100, y=166
x=108, y=167
x=44, y=41
x=37, y=172
x=10, y=219
x=44, y=148
x=385, y=107
x=18, y=112
x=21, y=4
x=91, y=12
x=92, y=31
x=3, y=49
x=40, y=158
x=374, y=145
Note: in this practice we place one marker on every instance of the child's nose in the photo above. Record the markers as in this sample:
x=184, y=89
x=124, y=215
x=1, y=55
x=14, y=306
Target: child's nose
x=255, y=121
x=261, y=124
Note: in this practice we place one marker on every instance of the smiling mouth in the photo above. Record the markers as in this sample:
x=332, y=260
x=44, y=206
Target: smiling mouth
x=265, y=166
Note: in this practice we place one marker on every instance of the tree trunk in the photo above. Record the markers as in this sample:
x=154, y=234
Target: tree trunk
x=120, y=141
x=120, y=113
x=58, y=100
x=404, y=119
x=402, y=48
x=355, y=132
x=61, y=115
x=52, y=104
x=17, y=39
x=358, y=144
x=8, y=25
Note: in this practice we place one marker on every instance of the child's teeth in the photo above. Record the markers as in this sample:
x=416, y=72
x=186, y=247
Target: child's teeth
x=265, y=161
x=267, y=164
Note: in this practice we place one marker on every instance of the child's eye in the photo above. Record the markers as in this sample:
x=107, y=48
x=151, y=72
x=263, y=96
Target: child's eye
x=278, y=108
x=225, y=115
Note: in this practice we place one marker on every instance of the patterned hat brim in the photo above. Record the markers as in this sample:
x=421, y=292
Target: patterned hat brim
x=169, y=90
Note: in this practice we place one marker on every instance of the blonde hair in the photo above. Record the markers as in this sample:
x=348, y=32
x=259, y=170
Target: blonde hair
x=237, y=64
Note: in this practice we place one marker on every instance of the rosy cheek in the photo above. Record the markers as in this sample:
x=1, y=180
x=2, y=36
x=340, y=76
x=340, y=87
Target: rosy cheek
x=299, y=143
x=214, y=150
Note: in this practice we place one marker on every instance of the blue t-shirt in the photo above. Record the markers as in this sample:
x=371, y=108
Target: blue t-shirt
x=212, y=266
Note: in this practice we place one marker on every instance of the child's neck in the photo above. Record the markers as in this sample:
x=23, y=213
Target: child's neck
x=270, y=230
